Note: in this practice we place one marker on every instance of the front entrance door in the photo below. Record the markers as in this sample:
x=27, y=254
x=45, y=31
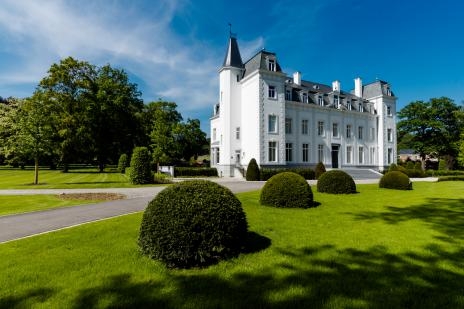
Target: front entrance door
x=335, y=150
x=237, y=158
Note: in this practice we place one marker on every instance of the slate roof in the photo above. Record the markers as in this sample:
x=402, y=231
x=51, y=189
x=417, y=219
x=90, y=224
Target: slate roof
x=407, y=152
x=375, y=89
x=258, y=62
x=233, y=58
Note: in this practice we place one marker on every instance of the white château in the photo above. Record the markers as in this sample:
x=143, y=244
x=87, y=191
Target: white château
x=284, y=121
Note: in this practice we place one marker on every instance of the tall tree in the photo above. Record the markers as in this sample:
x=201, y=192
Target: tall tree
x=190, y=139
x=435, y=126
x=31, y=131
x=69, y=86
x=164, y=118
x=116, y=108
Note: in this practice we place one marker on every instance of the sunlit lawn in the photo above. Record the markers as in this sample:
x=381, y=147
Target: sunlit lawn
x=378, y=248
x=49, y=179
x=15, y=204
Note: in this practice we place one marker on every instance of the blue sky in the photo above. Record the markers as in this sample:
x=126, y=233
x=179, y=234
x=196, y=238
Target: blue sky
x=173, y=49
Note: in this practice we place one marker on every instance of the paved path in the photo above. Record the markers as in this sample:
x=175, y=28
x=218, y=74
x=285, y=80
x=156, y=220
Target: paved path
x=23, y=225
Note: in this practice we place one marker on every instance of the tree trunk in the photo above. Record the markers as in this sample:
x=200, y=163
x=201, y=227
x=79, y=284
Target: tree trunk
x=101, y=167
x=157, y=167
x=65, y=167
x=423, y=162
x=36, y=171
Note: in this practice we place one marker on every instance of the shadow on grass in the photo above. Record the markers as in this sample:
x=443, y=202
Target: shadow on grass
x=23, y=300
x=441, y=214
x=311, y=277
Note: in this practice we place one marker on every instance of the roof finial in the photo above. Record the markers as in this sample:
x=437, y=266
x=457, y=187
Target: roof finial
x=231, y=34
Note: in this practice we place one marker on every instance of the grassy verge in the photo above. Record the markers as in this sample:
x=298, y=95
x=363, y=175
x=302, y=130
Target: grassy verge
x=15, y=204
x=88, y=178
x=378, y=248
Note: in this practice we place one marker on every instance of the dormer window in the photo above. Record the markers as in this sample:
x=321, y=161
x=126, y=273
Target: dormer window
x=271, y=64
x=361, y=107
x=305, y=98
x=288, y=95
x=389, y=93
x=320, y=101
x=350, y=107
x=336, y=101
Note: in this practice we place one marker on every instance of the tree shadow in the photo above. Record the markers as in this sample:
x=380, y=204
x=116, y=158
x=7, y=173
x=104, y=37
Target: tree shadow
x=441, y=214
x=39, y=295
x=310, y=277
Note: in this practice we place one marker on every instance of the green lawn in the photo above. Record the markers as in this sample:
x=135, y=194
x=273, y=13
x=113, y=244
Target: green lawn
x=85, y=178
x=15, y=204
x=378, y=248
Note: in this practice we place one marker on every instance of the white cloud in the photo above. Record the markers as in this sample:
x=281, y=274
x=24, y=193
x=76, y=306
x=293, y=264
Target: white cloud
x=42, y=32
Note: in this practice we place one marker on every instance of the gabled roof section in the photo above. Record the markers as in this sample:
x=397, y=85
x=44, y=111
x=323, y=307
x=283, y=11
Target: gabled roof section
x=377, y=88
x=233, y=58
x=258, y=62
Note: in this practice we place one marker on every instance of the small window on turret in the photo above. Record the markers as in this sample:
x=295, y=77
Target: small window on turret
x=271, y=64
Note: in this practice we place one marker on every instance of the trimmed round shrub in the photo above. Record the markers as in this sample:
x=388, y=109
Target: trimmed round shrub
x=287, y=190
x=193, y=223
x=395, y=180
x=140, y=171
x=410, y=165
x=414, y=173
x=393, y=167
x=336, y=182
x=320, y=169
x=418, y=166
x=123, y=163
x=252, y=172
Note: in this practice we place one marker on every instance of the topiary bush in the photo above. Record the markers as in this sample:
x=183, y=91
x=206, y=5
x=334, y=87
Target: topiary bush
x=410, y=165
x=395, y=180
x=414, y=173
x=252, y=172
x=336, y=182
x=123, y=163
x=320, y=169
x=140, y=171
x=160, y=178
x=193, y=223
x=393, y=167
x=287, y=190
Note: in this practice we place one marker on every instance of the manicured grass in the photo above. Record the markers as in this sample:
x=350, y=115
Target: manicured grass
x=15, y=204
x=48, y=179
x=379, y=248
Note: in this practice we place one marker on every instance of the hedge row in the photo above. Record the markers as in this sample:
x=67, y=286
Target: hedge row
x=451, y=178
x=267, y=173
x=195, y=171
x=434, y=173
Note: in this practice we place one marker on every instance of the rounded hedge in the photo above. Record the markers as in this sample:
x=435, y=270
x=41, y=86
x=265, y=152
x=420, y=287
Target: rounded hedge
x=410, y=165
x=336, y=182
x=320, y=169
x=140, y=171
x=287, y=190
x=193, y=223
x=395, y=180
x=252, y=172
x=123, y=163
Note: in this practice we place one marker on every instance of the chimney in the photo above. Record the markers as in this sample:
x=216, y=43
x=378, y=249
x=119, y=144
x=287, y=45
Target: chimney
x=336, y=85
x=297, y=78
x=358, y=84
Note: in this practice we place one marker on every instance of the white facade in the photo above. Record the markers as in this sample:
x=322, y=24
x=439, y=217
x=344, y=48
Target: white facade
x=281, y=121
